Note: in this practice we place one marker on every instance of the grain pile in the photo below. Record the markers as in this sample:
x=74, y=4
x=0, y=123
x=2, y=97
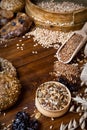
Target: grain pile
x=48, y=38
x=59, y=7
x=68, y=74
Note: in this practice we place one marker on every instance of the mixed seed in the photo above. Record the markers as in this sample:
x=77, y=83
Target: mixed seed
x=65, y=54
x=52, y=96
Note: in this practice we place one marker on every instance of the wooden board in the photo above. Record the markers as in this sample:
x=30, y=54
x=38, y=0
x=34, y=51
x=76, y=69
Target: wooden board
x=32, y=69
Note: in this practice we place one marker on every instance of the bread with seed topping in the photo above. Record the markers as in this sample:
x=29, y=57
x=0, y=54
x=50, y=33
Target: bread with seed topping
x=6, y=67
x=10, y=89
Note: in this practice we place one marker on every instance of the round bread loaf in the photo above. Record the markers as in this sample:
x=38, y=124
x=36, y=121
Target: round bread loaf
x=6, y=67
x=13, y=5
x=9, y=91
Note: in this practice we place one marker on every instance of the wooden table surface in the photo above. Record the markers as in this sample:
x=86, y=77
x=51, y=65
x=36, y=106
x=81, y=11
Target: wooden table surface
x=32, y=70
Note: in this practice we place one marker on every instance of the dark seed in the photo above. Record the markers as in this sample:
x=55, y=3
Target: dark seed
x=3, y=30
x=13, y=23
x=21, y=21
x=70, y=86
x=1, y=69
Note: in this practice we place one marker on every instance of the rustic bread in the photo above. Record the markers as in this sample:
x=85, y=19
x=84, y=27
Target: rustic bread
x=6, y=67
x=16, y=27
x=10, y=89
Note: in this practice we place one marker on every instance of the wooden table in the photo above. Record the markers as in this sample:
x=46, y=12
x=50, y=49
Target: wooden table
x=33, y=69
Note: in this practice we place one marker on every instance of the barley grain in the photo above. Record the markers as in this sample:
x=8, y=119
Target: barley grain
x=59, y=6
x=48, y=38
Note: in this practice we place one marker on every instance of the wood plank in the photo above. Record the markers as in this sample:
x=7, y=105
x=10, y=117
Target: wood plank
x=32, y=69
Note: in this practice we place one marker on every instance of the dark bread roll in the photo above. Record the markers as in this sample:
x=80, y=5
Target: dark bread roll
x=16, y=27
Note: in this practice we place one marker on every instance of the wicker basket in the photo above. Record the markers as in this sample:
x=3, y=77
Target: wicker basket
x=65, y=21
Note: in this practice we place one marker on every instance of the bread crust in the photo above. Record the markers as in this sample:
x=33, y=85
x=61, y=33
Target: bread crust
x=6, y=67
x=10, y=89
x=16, y=27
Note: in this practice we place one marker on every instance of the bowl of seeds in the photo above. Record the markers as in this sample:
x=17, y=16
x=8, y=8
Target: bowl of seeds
x=52, y=99
x=58, y=14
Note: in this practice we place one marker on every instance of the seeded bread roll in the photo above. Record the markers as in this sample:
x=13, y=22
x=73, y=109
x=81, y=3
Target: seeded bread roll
x=16, y=27
x=6, y=67
x=10, y=89
x=13, y=5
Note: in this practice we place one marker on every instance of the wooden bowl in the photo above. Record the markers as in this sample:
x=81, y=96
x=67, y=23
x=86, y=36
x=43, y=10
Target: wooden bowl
x=52, y=99
x=65, y=21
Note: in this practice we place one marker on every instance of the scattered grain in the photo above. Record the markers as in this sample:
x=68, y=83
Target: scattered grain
x=23, y=36
x=4, y=114
x=51, y=127
x=52, y=119
x=48, y=38
x=20, y=40
x=25, y=108
x=37, y=115
x=20, y=46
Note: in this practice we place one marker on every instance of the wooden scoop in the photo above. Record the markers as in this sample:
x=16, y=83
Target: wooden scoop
x=70, y=48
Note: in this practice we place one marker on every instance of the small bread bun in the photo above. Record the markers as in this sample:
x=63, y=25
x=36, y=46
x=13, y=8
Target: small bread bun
x=6, y=67
x=13, y=5
x=52, y=99
x=9, y=91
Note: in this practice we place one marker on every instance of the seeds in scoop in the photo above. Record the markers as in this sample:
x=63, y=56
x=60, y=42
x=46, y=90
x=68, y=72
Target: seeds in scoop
x=70, y=46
